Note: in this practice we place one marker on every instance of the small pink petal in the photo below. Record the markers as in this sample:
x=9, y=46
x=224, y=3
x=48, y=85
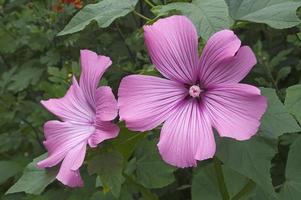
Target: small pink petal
x=69, y=170
x=146, y=101
x=72, y=107
x=187, y=136
x=233, y=69
x=61, y=138
x=235, y=110
x=172, y=43
x=223, y=44
x=103, y=131
x=93, y=67
x=106, y=104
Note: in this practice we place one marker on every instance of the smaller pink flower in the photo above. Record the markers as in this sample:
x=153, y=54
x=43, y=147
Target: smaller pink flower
x=197, y=93
x=85, y=113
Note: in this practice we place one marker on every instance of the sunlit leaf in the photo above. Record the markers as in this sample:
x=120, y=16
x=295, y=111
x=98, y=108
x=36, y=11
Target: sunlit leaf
x=276, y=13
x=34, y=180
x=104, y=13
x=209, y=16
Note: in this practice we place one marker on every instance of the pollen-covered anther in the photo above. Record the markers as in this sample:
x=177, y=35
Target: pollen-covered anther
x=195, y=91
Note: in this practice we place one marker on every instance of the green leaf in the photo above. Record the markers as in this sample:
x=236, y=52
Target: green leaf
x=283, y=73
x=108, y=166
x=151, y=170
x=24, y=78
x=8, y=169
x=292, y=184
x=293, y=101
x=259, y=194
x=34, y=180
x=276, y=13
x=100, y=195
x=126, y=141
x=235, y=181
x=276, y=121
x=250, y=158
x=104, y=13
x=209, y=16
x=205, y=185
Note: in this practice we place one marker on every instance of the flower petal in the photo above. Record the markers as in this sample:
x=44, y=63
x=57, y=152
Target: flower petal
x=61, y=138
x=235, y=110
x=187, y=136
x=106, y=104
x=69, y=170
x=221, y=45
x=146, y=101
x=172, y=43
x=233, y=69
x=93, y=67
x=103, y=131
x=72, y=107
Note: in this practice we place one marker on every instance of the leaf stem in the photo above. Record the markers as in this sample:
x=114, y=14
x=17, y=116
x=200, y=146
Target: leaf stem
x=142, y=16
x=246, y=189
x=220, y=177
x=148, y=2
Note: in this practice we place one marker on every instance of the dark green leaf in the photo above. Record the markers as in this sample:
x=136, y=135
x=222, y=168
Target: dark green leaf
x=152, y=171
x=108, y=166
x=8, y=169
x=250, y=158
x=276, y=121
x=126, y=141
x=24, y=78
x=205, y=185
x=293, y=101
x=292, y=186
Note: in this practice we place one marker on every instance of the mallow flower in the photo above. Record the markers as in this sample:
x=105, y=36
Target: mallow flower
x=196, y=95
x=85, y=114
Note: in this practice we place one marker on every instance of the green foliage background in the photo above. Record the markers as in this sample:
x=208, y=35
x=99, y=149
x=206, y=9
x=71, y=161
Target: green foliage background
x=36, y=63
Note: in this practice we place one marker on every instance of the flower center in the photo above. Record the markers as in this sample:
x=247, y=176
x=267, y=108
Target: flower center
x=195, y=91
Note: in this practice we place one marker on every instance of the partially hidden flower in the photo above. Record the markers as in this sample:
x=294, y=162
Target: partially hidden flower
x=197, y=94
x=85, y=114
x=59, y=7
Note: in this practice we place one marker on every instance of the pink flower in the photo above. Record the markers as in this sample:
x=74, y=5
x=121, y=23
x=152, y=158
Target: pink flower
x=198, y=94
x=85, y=113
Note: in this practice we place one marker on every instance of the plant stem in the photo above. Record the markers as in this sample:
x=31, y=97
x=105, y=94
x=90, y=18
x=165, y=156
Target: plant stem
x=246, y=189
x=220, y=177
x=36, y=131
x=270, y=76
x=142, y=16
x=121, y=35
x=148, y=2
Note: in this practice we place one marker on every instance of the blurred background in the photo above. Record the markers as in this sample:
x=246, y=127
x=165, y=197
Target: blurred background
x=37, y=64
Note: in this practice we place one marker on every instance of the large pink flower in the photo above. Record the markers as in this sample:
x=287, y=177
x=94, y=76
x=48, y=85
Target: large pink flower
x=85, y=113
x=198, y=94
